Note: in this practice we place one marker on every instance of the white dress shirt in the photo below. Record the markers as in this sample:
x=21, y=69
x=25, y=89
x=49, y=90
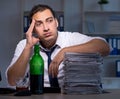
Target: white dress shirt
x=64, y=39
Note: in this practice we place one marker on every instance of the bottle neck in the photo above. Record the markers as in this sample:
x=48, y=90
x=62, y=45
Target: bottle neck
x=36, y=53
x=36, y=49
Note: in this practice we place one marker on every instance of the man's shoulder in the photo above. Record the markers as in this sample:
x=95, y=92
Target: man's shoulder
x=64, y=33
x=22, y=42
x=67, y=33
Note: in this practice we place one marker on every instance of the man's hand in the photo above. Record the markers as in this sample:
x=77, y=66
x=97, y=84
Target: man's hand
x=31, y=40
x=54, y=65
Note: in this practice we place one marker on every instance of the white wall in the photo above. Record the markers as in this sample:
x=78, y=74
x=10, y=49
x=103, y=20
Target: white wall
x=55, y=4
x=72, y=10
x=10, y=31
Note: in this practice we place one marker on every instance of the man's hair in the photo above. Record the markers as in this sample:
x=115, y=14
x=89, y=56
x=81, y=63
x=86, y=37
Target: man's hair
x=40, y=7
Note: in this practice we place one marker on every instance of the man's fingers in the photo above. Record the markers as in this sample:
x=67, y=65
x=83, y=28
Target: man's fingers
x=53, y=69
x=30, y=30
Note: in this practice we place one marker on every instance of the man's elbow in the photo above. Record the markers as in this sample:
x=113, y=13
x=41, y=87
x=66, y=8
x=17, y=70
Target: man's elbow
x=11, y=83
x=10, y=80
x=106, y=50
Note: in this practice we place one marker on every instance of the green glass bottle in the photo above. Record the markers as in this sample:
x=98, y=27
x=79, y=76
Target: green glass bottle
x=36, y=72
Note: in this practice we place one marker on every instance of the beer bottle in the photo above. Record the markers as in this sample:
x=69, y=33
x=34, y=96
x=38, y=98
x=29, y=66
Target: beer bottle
x=36, y=72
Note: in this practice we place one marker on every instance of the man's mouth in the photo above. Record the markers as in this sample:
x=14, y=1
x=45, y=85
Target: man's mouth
x=47, y=34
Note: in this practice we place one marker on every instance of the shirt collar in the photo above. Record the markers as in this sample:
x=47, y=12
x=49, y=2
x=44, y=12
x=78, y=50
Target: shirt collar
x=58, y=41
x=44, y=49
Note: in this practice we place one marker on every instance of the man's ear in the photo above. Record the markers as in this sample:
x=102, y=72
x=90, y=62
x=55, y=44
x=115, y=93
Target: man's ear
x=56, y=22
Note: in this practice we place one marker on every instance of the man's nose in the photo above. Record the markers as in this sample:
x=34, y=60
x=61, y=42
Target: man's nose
x=45, y=27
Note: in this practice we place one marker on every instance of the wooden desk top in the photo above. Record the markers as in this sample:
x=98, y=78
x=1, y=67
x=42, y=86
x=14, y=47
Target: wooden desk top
x=113, y=94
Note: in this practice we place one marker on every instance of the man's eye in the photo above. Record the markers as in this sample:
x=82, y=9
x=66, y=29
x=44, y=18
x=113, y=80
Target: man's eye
x=37, y=24
x=50, y=20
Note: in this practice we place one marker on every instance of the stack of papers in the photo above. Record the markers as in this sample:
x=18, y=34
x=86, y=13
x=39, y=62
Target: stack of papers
x=82, y=73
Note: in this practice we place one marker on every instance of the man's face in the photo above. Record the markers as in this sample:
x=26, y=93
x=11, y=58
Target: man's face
x=45, y=25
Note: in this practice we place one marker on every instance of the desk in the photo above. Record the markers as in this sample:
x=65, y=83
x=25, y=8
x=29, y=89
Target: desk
x=113, y=94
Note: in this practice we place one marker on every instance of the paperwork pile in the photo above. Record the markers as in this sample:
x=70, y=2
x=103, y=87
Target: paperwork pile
x=82, y=73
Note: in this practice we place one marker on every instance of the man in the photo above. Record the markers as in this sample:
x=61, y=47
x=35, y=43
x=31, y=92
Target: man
x=45, y=24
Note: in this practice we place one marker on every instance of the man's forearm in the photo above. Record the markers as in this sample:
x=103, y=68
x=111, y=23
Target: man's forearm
x=18, y=69
x=93, y=46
